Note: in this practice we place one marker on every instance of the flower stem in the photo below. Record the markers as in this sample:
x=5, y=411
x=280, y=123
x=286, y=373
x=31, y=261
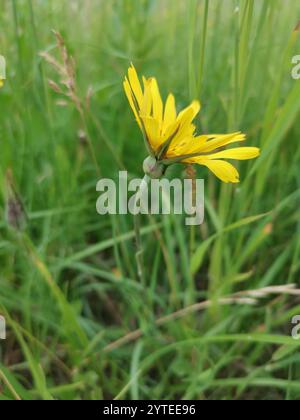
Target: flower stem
x=137, y=228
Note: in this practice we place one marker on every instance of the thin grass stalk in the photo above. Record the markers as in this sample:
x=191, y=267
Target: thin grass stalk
x=192, y=19
x=17, y=37
x=137, y=229
x=203, y=48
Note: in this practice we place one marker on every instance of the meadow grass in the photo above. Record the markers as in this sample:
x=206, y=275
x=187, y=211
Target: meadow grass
x=80, y=323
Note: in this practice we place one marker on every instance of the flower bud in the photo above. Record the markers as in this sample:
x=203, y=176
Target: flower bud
x=153, y=168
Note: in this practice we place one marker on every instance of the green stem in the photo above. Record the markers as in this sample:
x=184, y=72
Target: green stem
x=202, y=48
x=89, y=142
x=17, y=36
x=137, y=228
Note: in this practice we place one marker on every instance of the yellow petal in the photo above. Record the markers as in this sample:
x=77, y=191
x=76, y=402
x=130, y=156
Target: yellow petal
x=222, y=169
x=170, y=112
x=172, y=128
x=129, y=95
x=135, y=84
x=157, y=101
x=185, y=131
x=239, y=153
x=215, y=141
x=189, y=144
x=181, y=147
x=152, y=130
x=146, y=105
x=191, y=110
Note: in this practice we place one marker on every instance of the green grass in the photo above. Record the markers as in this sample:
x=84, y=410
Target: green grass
x=80, y=323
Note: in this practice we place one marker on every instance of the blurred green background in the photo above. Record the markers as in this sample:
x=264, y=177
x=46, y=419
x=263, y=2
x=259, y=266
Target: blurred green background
x=80, y=324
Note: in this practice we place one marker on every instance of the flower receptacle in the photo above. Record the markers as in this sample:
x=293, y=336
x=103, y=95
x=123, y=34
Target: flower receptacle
x=153, y=168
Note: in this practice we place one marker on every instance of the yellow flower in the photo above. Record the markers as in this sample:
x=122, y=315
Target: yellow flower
x=170, y=137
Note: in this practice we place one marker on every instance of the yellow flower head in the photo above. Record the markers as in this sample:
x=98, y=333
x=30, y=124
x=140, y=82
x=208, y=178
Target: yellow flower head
x=170, y=137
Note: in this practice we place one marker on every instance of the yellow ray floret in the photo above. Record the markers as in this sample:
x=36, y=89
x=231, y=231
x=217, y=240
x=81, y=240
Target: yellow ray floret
x=171, y=137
